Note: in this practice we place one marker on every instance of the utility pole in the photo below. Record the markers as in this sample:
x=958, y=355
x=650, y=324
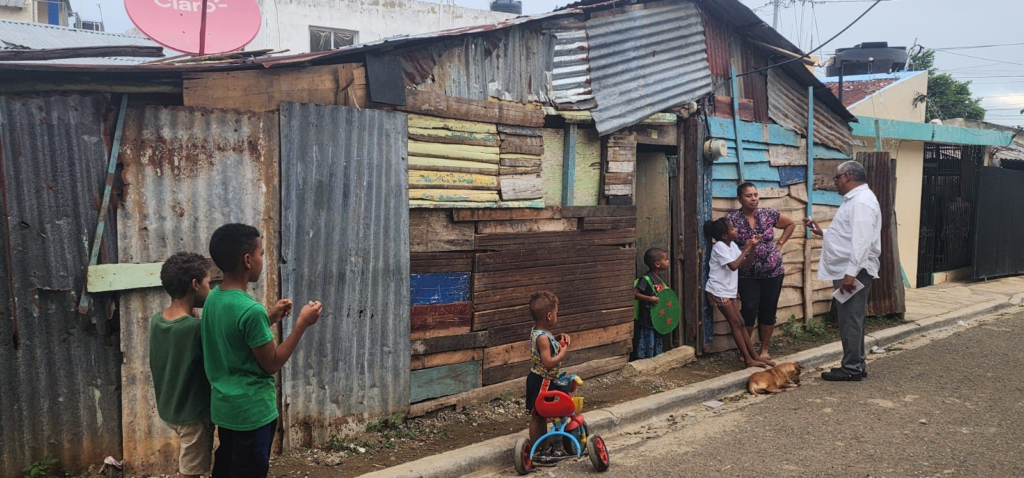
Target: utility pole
x=775, y=21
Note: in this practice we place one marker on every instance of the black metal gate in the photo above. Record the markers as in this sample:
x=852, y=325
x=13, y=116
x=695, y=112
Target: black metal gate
x=999, y=224
x=948, y=194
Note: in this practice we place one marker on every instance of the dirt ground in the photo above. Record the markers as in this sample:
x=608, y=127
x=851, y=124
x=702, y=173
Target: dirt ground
x=389, y=442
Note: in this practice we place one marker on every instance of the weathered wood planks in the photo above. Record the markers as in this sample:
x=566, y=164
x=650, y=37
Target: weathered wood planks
x=434, y=231
x=263, y=90
x=445, y=380
x=434, y=345
x=435, y=104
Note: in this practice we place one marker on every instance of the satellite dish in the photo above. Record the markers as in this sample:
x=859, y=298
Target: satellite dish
x=201, y=27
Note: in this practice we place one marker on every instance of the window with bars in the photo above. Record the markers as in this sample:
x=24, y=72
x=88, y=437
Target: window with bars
x=324, y=39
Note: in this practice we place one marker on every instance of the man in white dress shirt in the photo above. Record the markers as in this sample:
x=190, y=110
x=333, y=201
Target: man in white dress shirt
x=852, y=246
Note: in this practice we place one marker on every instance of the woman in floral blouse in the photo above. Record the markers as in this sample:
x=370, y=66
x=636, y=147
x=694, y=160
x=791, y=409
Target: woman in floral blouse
x=761, y=283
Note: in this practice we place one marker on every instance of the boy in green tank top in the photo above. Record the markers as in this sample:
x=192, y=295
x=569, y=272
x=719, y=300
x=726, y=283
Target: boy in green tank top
x=240, y=355
x=176, y=361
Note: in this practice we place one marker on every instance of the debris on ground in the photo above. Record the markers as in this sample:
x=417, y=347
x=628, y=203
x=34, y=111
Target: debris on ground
x=713, y=403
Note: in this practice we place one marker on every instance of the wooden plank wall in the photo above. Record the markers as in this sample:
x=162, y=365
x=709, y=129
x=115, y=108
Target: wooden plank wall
x=460, y=163
x=264, y=90
x=470, y=317
x=590, y=269
x=620, y=166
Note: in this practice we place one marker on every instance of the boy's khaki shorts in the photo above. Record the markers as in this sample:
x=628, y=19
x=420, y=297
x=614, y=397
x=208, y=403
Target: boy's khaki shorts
x=195, y=455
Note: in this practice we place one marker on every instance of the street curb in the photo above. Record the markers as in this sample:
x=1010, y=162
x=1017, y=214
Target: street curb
x=497, y=452
x=672, y=359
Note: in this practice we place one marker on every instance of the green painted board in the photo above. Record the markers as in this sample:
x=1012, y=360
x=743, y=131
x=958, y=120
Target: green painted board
x=437, y=382
x=551, y=166
x=666, y=313
x=588, y=168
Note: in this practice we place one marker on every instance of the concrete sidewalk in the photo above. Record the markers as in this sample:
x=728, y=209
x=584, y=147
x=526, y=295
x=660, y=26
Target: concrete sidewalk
x=928, y=309
x=945, y=298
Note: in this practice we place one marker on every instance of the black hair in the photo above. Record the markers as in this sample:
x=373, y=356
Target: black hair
x=541, y=303
x=653, y=254
x=177, y=274
x=716, y=229
x=743, y=187
x=230, y=243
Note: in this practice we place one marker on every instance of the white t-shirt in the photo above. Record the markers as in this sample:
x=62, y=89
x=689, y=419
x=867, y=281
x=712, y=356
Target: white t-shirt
x=723, y=282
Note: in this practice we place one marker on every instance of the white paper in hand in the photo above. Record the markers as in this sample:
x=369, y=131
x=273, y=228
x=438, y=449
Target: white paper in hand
x=842, y=296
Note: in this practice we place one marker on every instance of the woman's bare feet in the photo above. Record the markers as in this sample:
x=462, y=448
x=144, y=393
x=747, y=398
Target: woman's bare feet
x=766, y=359
x=756, y=363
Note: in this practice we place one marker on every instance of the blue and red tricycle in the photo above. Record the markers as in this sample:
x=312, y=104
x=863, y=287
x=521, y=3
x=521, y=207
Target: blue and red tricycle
x=569, y=425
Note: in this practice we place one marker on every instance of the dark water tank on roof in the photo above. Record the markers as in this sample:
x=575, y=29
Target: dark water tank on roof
x=507, y=6
x=868, y=58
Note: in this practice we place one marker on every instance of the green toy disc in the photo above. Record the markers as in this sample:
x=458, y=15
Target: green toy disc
x=666, y=313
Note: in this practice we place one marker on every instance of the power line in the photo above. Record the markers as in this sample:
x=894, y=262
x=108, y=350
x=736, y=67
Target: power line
x=977, y=46
x=979, y=58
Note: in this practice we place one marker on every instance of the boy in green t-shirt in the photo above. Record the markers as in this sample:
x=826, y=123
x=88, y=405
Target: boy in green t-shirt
x=176, y=360
x=240, y=354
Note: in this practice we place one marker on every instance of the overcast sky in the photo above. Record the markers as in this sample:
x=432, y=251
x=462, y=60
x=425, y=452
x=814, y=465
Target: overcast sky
x=998, y=73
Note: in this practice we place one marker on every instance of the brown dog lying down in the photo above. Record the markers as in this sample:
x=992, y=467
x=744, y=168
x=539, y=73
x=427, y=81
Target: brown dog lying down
x=774, y=380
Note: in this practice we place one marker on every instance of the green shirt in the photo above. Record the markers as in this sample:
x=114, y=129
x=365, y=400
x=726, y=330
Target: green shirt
x=176, y=360
x=243, y=396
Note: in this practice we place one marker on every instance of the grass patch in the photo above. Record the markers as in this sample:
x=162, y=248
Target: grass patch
x=814, y=331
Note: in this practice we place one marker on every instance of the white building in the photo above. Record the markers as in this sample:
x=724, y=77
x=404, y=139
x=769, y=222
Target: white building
x=317, y=25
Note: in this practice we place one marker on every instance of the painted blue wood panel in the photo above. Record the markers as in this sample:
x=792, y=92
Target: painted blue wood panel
x=749, y=156
x=909, y=131
x=446, y=380
x=754, y=132
x=726, y=189
x=789, y=175
x=824, y=152
x=439, y=288
x=826, y=198
x=751, y=172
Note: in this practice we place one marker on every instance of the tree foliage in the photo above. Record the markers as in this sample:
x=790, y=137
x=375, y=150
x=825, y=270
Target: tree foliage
x=947, y=97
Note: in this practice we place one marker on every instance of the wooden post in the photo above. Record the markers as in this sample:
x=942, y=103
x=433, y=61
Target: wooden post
x=736, y=125
x=569, y=165
x=689, y=258
x=808, y=277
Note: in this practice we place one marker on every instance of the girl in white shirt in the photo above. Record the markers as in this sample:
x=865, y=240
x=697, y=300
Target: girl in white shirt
x=723, y=282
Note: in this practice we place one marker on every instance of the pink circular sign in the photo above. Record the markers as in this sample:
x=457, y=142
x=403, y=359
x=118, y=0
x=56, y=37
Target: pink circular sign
x=177, y=24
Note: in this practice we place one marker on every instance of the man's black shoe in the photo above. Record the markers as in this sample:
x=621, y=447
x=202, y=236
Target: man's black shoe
x=840, y=376
x=863, y=374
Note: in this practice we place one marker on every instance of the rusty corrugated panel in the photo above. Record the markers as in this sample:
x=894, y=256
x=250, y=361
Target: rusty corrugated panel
x=59, y=374
x=570, y=71
x=887, y=295
x=716, y=38
x=787, y=106
x=512, y=64
x=187, y=171
x=755, y=86
x=645, y=59
x=345, y=242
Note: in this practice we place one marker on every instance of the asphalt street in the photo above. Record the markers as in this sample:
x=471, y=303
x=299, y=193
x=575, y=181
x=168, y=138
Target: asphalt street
x=938, y=406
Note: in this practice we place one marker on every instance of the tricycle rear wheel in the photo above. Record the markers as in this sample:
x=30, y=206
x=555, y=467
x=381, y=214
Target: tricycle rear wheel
x=523, y=459
x=598, y=452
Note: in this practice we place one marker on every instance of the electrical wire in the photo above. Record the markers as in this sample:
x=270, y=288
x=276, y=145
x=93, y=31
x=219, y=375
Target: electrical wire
x=977, y=46
x=805, y=55
x=978, y=57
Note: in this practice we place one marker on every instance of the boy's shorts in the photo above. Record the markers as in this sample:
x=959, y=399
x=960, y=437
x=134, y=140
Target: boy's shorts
x=195, y=454
x=533, y=386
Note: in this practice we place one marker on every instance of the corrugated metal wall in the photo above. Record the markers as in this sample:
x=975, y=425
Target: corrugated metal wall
x=345, y=242
x=718, y=35
x=887, y=294
x=644, y=60
x=511, y=64
x=187, y=172
x=570, y=71
x=58, y=373
x=788, y=107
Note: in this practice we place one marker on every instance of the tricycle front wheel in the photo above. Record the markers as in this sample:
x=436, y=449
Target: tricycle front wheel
x=598, y=452
x=523, y=458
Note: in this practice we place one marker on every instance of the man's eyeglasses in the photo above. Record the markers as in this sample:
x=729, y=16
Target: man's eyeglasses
x=835, y=178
